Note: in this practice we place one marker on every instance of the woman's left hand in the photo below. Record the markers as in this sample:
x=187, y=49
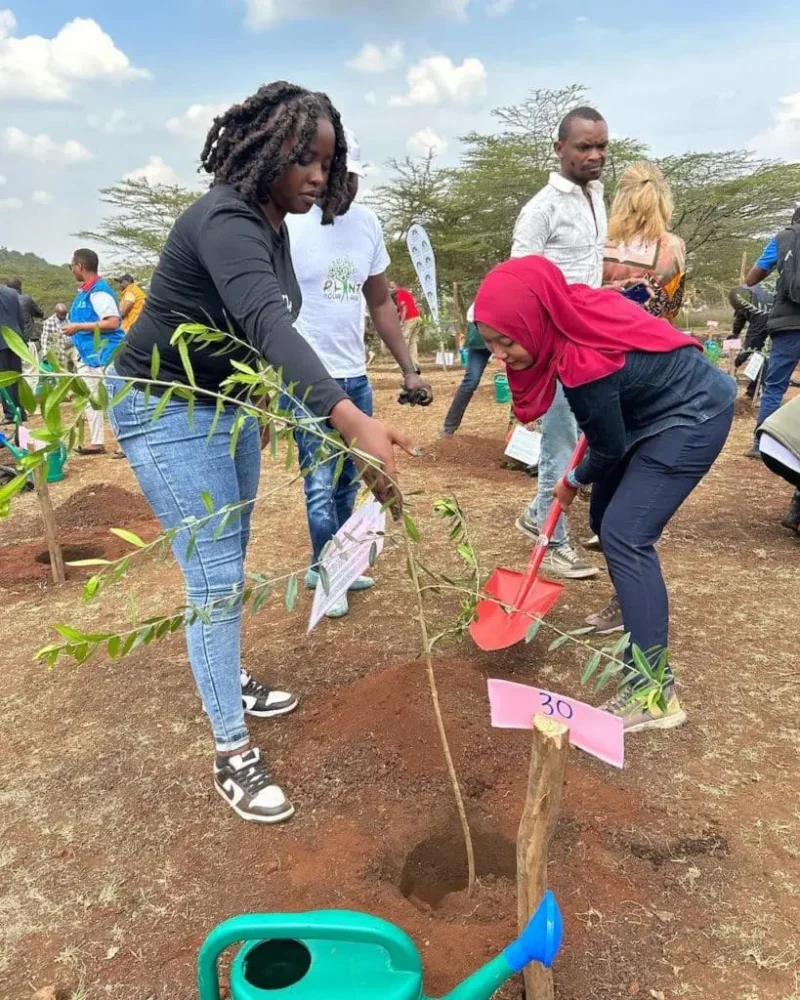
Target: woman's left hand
x=564, y=493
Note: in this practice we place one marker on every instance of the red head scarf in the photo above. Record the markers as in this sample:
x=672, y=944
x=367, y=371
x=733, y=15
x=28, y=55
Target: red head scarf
x=574, y=333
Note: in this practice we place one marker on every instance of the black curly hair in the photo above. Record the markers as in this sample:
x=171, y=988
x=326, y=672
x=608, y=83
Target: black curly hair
x=243, y=145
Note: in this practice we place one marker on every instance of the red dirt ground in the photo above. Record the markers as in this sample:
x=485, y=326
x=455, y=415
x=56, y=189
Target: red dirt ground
x=678, y=877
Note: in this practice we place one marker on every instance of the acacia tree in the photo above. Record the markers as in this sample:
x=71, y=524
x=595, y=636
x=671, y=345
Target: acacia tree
x=725, y=202
x=141, y=218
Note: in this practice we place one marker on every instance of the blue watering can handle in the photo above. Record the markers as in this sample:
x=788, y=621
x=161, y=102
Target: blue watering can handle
x=341, y=925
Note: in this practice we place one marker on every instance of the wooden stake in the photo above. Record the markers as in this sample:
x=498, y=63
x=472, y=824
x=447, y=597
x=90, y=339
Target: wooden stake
x=458, y=309
x=50, y=530
x=549, y=755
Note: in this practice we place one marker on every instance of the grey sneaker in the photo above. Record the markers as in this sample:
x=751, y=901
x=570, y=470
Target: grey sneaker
x=636, y=718
x=592, y=543
x=753, y=452
x=565, y=561
x=528, y=527
x=608, y=620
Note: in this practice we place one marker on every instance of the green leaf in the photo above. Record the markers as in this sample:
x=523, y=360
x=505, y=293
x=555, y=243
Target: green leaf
x=557, y=643
x=208, y=501
x=89, y=562
x=155, y=362
x=70, y=633
x=17, y=345
x=411, y=528
x=91, y=587
x=120, y=394
x=128, y=536
x=102, y=394
x=621, y=645
x=114, y=644
x=162, y=404
x=183, y=350
x=373, y=553
x=27, y=397
x=291, y=592
x=218, y=411
x=575, y=632
x=533, y=631
x=591, y=666
x=236, y=430
x=273, y=440
x=324, y=579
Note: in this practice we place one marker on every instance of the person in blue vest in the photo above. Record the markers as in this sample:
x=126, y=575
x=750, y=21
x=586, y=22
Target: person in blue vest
x=93, y=309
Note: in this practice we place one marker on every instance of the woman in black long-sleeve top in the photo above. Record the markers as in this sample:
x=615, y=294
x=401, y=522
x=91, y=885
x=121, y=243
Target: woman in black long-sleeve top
x=227, y=265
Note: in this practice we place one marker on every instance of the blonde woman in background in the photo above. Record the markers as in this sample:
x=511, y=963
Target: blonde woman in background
x=647, y=263
x=641, y=251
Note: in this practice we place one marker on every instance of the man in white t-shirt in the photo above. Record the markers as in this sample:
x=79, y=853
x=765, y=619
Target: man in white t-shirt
x=341, y=269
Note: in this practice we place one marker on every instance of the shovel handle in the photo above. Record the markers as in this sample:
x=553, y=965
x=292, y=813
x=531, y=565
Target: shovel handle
x=548, y=528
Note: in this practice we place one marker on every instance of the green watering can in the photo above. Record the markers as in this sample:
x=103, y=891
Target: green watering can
x=56, y=460
x=344, y=955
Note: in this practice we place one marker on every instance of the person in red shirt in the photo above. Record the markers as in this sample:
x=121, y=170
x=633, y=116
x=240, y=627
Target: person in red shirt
x=410, y=317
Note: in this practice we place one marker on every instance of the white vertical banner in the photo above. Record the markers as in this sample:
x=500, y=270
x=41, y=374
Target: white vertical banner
x=419, y=246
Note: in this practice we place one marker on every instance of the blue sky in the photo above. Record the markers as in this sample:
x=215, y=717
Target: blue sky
x=91, y=92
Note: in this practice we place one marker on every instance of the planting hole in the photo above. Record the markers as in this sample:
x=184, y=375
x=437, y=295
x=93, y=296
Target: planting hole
x=436, y=868
x=274, y=965
x=72, y=553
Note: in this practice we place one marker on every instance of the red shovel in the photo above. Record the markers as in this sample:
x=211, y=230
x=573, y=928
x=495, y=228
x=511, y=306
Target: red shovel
x=524, y=594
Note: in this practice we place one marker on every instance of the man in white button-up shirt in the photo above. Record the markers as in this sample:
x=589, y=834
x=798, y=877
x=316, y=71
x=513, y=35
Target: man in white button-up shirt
x=566, y=223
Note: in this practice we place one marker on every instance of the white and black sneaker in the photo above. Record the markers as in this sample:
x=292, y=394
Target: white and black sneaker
x=247, y=786
x=262, y=701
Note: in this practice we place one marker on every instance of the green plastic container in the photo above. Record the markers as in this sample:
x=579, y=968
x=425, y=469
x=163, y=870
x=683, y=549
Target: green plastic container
x=344, y=955
x=502, y=391
x=55, y=464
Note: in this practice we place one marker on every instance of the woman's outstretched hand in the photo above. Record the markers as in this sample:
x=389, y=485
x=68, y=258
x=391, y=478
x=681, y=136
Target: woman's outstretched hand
x=376, y=439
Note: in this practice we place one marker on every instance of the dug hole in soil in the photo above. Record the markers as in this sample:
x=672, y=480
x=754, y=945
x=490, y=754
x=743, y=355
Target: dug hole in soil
x=83, y=520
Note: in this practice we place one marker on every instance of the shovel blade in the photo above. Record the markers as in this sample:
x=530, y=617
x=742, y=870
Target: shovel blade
x=493, y=628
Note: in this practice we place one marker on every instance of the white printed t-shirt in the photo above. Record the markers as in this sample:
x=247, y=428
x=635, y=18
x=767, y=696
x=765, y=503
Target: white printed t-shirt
x=332, y=264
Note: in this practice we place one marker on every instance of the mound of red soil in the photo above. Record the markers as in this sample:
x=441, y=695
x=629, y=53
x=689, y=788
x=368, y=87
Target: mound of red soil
x=95, y=506
x=483, y=457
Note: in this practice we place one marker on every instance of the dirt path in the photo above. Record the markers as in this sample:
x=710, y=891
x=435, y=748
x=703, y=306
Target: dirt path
x=678, y=877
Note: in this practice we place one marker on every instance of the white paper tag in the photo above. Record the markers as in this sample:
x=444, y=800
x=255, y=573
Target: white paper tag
x=754, y=366
x=524, y=445
x=350, y=558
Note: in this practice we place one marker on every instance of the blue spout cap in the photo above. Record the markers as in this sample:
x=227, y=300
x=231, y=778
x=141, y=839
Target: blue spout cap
x=541, y=939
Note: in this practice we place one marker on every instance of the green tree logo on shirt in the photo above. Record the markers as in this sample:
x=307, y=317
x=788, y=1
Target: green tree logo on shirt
x=341, y=284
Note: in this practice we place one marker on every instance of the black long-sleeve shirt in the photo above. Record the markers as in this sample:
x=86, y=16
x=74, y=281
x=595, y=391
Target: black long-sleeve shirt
x=11, y=314
x=650, y=394
x=225, y=265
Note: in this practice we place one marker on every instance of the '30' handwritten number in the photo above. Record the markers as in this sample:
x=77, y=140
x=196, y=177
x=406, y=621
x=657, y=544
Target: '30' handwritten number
x=562, y=708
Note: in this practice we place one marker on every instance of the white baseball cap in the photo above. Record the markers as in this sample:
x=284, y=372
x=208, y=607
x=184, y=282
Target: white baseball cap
x=355, y=164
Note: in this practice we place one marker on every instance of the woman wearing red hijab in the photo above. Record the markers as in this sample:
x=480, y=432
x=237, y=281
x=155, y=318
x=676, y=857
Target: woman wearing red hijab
x=655, y=413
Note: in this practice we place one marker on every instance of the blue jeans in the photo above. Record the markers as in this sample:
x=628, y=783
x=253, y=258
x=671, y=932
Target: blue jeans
x=329, y=504
x=174, y=464
x=477, y=360
x=559, y=437
x=630, y=508
x=784, y=356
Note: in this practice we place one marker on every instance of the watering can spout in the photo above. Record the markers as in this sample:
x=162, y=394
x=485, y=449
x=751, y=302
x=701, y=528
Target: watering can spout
x=539, y=942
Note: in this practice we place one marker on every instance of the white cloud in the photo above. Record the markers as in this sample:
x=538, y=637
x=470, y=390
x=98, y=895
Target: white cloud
x=264, y=14
x=42, y=198
x=499, y=7
x=195, y=122
x=119, y=122
x=44, y=149
x=374, y=59
x=437, y=79
x=9, y=204
x=782, y=139
x=426, y=141
x=581, y=20
x=371, y=97
x=3, y=180
x=155, y=172
x=48, y=69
